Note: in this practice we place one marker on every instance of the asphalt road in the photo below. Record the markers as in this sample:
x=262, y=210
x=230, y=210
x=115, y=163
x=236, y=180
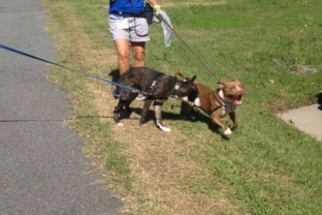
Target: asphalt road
x=42, y=167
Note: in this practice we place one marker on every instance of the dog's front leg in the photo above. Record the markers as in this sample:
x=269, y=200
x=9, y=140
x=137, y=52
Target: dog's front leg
x=127, y=108
x=232, y=116
x=224, y=127
x=117, y=112
x=158, y=117
x=186, y=111
x=145, y=110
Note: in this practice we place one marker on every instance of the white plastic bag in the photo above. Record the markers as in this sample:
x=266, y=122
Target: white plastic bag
x=166, y=27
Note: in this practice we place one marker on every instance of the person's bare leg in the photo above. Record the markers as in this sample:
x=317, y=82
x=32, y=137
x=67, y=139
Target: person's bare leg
x=138, y=52
x=122, y=50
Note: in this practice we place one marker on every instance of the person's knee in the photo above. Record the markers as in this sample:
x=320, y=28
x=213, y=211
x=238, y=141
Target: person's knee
x=138, y=51
x=139, y=56
x=123, y=57
x=139, y=60
x=121, y=46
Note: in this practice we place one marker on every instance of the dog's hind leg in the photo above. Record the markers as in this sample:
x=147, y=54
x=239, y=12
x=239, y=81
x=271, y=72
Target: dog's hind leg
x=145, y=109
x=158, y=117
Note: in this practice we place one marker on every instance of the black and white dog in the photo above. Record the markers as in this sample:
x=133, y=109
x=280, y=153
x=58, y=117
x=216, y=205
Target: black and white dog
x=157, y=87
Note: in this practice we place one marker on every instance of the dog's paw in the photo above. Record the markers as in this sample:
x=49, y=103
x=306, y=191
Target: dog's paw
x=228, y=132
x=119, y=124
x=163, y=128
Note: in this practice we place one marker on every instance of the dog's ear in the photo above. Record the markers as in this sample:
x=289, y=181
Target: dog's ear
x=221, y=85
x=193, y=79
x=179, y=75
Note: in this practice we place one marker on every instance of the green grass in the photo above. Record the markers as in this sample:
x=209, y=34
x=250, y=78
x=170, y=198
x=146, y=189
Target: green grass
x=266, y=167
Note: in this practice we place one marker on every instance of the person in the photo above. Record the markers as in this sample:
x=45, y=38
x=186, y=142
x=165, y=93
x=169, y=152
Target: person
x=129, y=28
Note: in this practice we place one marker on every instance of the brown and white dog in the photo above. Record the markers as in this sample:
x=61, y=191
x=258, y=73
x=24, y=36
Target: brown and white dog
x=157, y=87
x=218, y=103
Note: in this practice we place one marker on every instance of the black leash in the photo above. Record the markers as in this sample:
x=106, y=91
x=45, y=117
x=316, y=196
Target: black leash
x=159, y=16
x=105, y=81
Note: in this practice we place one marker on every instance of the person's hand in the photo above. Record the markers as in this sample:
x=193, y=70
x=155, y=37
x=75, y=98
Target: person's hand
x=156, y=9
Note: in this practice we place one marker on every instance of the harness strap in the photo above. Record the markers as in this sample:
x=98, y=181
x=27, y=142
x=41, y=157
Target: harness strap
x=217, y=108
x=220, y=99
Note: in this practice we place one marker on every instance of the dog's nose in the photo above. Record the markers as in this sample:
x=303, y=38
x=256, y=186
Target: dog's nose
x=239, y=90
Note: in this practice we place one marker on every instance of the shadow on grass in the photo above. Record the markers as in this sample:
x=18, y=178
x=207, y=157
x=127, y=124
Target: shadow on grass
x=196, y=116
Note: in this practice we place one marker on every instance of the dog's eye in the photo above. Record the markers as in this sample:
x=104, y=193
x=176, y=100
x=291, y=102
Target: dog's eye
x=232, y=87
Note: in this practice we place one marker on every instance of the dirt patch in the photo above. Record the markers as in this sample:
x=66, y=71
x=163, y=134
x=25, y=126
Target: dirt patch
x=278, y=106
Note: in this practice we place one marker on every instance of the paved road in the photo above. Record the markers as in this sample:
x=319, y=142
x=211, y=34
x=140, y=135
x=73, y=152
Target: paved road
x=42, y=168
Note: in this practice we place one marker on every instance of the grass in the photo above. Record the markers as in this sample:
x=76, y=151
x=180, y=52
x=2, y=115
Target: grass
x=266, y=167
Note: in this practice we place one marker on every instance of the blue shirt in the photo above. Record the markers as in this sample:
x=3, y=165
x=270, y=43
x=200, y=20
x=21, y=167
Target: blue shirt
x=119, y=7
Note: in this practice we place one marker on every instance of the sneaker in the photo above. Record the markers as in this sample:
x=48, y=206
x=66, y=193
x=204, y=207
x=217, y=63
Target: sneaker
x=140, y=97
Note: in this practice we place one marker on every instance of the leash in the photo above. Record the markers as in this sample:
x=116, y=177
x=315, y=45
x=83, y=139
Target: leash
x=94, y=77
x=159, y=16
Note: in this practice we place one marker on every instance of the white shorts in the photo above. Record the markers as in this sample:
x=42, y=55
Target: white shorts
x=134, y=29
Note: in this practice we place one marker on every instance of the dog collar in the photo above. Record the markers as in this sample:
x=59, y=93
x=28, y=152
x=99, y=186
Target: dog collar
x=221, y=97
